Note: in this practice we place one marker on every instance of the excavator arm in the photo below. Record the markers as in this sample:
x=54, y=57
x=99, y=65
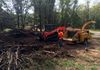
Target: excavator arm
x=51, y=35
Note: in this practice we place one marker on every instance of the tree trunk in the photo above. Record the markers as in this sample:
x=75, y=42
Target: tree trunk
x=18, y=21
x=22, y=22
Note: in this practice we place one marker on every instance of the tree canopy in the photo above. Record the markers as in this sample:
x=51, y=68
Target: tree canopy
x=15, y=13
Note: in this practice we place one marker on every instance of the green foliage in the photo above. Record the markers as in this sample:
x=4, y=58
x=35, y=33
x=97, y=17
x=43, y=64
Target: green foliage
x=71, y=64
x=44, y=64
x=45, y=12
x=94, y=68
x=6, y=20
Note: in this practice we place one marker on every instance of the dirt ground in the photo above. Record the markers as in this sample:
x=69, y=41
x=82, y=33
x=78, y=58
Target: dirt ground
x=69, y=57
x=75, y=57
x=85, y=60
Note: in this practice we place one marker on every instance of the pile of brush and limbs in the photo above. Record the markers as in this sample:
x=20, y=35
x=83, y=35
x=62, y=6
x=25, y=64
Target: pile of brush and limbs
x=19, y=48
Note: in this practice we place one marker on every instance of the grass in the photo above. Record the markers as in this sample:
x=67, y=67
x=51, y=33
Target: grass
x=93, y=68
x=7, y=29
x=50, y=64
x=71, y=64
x=45, y=64
x=95, y=30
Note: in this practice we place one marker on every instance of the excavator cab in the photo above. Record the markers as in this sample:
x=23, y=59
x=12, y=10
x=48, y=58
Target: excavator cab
x=51, y=32
x=49, y=27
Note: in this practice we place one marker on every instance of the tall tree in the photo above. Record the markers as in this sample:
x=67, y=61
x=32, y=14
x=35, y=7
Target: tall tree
x=95, y=14
x=6, y=19
x=69, y=11
x=21, y=9
x=87, y=9
x=43, y=10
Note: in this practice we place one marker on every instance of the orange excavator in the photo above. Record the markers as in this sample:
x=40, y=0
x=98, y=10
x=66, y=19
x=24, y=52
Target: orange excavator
x=52, y=35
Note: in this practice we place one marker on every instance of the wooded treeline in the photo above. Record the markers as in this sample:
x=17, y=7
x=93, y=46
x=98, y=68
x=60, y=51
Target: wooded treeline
x=15, y=13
